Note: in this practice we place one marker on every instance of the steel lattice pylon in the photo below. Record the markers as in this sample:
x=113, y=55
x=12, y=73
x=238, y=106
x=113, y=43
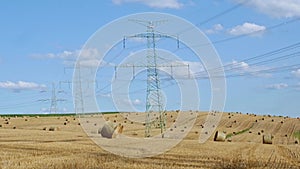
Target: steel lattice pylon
x=154, y=96
x=154, y=99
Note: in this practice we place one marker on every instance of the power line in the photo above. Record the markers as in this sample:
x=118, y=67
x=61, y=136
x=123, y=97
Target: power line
x=235, y=66
x=215, y=16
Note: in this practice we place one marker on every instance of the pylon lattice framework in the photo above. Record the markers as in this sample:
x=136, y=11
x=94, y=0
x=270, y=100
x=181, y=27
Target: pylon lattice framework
x=154, y=99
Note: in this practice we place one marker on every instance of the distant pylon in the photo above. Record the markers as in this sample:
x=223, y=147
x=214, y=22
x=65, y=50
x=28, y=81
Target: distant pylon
x=81, y=84
x=53, y=106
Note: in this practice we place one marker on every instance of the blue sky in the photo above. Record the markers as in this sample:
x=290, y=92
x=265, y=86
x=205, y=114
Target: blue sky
x=41, y=39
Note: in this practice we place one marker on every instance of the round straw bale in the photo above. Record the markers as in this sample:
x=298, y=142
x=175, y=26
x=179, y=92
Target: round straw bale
x=53, y=128
x=267, y=139
x=107, y=130
x=220, y=136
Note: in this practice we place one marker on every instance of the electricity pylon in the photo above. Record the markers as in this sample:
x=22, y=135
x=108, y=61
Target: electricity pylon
x=154, y=99
x=81, y=85
x=53, y=106
x=53, y=101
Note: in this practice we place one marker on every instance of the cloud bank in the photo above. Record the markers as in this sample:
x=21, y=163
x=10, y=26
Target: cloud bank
x=21, y=85
x=172, y=4
x=275, y=8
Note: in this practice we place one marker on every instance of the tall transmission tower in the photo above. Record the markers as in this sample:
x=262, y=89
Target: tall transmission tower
x=53, y=106
x=53, y=100
x=154, y=98
x=80, y=83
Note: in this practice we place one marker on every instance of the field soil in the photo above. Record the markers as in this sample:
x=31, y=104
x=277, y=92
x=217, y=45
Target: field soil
x=60, y=142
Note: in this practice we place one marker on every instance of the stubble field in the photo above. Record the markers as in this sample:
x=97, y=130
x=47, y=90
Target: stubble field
x=60, y=142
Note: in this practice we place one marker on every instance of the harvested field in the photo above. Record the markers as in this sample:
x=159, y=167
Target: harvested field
x=31, y=144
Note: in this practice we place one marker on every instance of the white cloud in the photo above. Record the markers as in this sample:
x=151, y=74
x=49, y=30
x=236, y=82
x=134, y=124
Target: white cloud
x=107, y=95
x=215, y=29
x=245, y=68
x=173, y=4
x=296, y=73
x=88, y=57
x=275, y=8
x=239, y=65
x=183, y=69
x=62, y=55
x=136, y=102
x=21, y=85
x=277, y=86
x=247, y=28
